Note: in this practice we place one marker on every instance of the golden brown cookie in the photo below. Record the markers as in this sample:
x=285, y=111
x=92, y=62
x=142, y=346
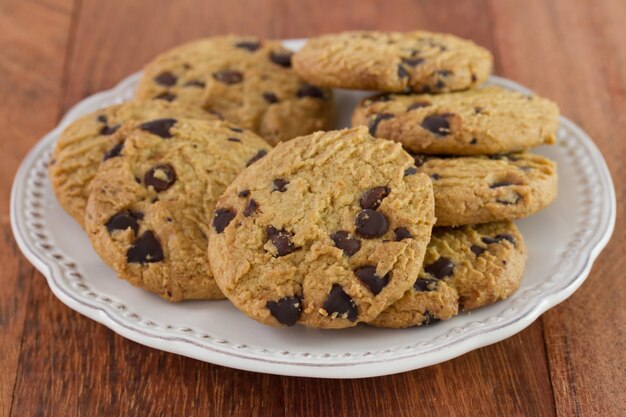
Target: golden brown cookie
x=487, y=120
x=325, y=231
x=149, y=211
x=244, y=79
x=417, y=61
x=482, y=189
x=464, y=269
x=87, y=141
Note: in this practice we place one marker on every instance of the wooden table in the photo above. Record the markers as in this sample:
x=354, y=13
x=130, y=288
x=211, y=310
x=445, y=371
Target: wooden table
x=55, y=362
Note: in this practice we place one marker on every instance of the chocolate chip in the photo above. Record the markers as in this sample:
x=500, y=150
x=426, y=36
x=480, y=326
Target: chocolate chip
x=501, y=184
x=478, y=110
x=102, y=118
x=474, y=78
x=308, y=90
x=410, y=171
x=425, y=284
x=444, y=72
x=281, y=58
x=412, y=62
x=281, y=239
x=367, y=274
x=498, y=238
x=243, y=193
x=159, y=127
x=402, y=233
x=234, y=139
x=437, y=124
x=160, y=177
x=402, y=73
x=260, y=154
x=122, y=221
x=114, y=151
x=166, y=78
x=340, y=303
x=419, y=160
x=286, y=310
x=270, y=97
x=280, y=185
x=146, y=249
x=372, y=198
x=348, y=244
x=166, y=95
x=251, y=207
x=236, y=129
x=249, y=45
x=195, y=83
x=424, y=90
x=109, y=130
x=478, y=250
x=222, y=218
x=435, y=176
x=439, y=85
x=373, y=124
x=474, y=141
x=371, y=224
x=441, y=268
x=228, y=77
x=418, y=105
x=429, y=319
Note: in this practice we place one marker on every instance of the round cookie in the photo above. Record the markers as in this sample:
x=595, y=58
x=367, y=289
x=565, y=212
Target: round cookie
x=417, y=61
x=246, y=80
x=482, y=189
x=149, y=211
x=474, y=122
x=326, y=231
x=464, y=269
x=85, y=142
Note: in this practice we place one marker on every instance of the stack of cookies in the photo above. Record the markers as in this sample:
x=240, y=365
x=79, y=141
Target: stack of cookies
x=211, y=183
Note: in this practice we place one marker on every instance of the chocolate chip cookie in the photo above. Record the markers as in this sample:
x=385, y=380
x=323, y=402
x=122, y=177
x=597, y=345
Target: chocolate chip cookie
x=149, y=211
x=87, y=141
x=418, y=61
x=245, y=80
x=464, y=269
x=326, y=231
x=481, y=121
x=482, y=189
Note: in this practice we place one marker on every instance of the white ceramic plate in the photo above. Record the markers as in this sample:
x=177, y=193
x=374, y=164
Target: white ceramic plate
x=563, y=242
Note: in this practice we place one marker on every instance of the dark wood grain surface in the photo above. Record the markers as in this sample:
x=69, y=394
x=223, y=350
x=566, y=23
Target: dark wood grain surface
x=55, y=362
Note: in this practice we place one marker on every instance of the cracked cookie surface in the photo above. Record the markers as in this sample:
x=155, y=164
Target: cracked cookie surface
x=326, y=231
x=85, y=143
x=394, y=62
x=481, y=121
x=148, y=214
x=246, y=80
x=482, y=189
x=464, y=268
